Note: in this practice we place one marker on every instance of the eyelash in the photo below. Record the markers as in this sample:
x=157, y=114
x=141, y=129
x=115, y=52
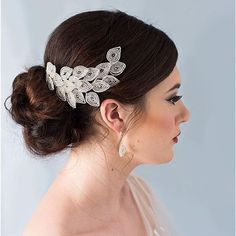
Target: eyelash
x=175, y=98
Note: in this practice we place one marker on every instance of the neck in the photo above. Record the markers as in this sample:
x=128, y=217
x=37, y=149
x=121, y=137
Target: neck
x=93, y=179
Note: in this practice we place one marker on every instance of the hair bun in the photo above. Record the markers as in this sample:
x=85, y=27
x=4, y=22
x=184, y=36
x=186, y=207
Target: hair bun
x=48, y=127
x=23, y=98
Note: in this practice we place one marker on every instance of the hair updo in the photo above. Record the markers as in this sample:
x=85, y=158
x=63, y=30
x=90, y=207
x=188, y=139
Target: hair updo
x=50, y=124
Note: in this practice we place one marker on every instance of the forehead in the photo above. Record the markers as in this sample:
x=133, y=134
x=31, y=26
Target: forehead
x=170, y=81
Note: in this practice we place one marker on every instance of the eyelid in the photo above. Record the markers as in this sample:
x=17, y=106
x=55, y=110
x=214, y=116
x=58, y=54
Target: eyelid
x=174, y=97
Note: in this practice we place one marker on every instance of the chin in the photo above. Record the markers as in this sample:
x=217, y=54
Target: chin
x=167, y=160
x=157, y=160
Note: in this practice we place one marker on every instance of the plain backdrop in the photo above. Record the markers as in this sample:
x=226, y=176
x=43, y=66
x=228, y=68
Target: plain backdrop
x=197, y=186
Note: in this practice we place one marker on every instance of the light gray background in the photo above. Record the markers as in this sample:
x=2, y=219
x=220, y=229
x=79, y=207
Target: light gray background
x=197, y=187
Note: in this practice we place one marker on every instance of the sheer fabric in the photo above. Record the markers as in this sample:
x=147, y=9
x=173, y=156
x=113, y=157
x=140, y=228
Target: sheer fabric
x=151, y=210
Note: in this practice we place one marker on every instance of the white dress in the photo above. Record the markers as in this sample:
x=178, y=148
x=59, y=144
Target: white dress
x=154, y=215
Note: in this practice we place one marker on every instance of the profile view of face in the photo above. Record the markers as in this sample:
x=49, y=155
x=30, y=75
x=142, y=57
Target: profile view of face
x=153, y=136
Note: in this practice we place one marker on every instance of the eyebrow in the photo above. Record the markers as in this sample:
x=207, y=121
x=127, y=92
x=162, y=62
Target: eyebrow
x=174, y=87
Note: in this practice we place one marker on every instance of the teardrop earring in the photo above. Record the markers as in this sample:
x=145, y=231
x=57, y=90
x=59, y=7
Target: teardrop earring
x=122, y=148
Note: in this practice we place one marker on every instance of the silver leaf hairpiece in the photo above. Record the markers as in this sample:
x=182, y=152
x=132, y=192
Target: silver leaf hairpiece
x=72, y=83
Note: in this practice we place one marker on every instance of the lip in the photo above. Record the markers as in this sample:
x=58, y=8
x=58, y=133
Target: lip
x=175, y=139
x=178, y=134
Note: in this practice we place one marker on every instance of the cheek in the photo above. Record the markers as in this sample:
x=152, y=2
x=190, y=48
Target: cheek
x=159, y=127
x=155, y=131
x=153, y=138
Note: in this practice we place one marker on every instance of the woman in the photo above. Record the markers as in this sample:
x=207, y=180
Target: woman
x=108, y=92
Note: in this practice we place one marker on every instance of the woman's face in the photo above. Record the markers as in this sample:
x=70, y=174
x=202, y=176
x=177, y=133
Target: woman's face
x=153, y=136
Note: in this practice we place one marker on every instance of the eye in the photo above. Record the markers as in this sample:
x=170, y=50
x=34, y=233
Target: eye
x=174, y=99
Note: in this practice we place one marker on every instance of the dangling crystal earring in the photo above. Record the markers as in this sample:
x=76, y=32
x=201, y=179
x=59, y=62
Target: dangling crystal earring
x=122, y=148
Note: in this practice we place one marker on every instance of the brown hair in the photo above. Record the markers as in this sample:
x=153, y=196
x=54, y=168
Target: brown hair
x=50, y=124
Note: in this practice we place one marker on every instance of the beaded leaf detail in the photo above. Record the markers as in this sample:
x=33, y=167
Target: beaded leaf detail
x=57, y=80
x=51, y=69
x=100, y=86
x=117, y=68
x=113, y=55
x=80, y=71
x=111, y=80
x=104, y=69
x=71, y=83
x=65, y=72
x=49, y=82
x=92, y=99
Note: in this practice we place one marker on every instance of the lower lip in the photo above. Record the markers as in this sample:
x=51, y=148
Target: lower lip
x=175, y=140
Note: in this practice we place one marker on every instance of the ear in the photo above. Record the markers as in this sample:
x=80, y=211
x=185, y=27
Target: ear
x=114, y=114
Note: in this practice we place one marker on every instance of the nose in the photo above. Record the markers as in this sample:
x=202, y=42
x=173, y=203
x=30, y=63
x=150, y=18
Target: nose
x=185, y=114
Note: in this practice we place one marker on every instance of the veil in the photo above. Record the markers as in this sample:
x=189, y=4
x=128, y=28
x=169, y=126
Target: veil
x=154, y=214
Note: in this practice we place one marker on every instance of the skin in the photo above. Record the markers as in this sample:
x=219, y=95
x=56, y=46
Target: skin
x=92, y=189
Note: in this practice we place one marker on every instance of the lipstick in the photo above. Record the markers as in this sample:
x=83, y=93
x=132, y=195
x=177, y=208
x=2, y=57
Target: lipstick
x=175, y=139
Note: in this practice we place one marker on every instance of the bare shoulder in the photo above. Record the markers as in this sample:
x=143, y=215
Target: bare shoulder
x=43, y=222
x=52, y=217
x=57, y=217
x=48, y=218
x=37, y=230
x=39, y=226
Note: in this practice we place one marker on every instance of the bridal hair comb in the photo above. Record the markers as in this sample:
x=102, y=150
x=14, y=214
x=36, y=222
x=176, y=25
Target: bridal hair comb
x=71, y=83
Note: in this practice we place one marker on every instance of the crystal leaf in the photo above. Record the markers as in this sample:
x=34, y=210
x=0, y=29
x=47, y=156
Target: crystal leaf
x=74, y=79
x=79, y=84
x=69, y=86
x=49, y=82
x=50, y=69
x=104, y=69
x=57, y=80
x=92, y=99
x=65, y=72
x=91, y=74
x=80, y=71
x=111, y=80
x=113, y=54
x=61, y=93
x=83, y=86
x=117, y=68
x=79, y=97
x=100, y=86
x=71, y=99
